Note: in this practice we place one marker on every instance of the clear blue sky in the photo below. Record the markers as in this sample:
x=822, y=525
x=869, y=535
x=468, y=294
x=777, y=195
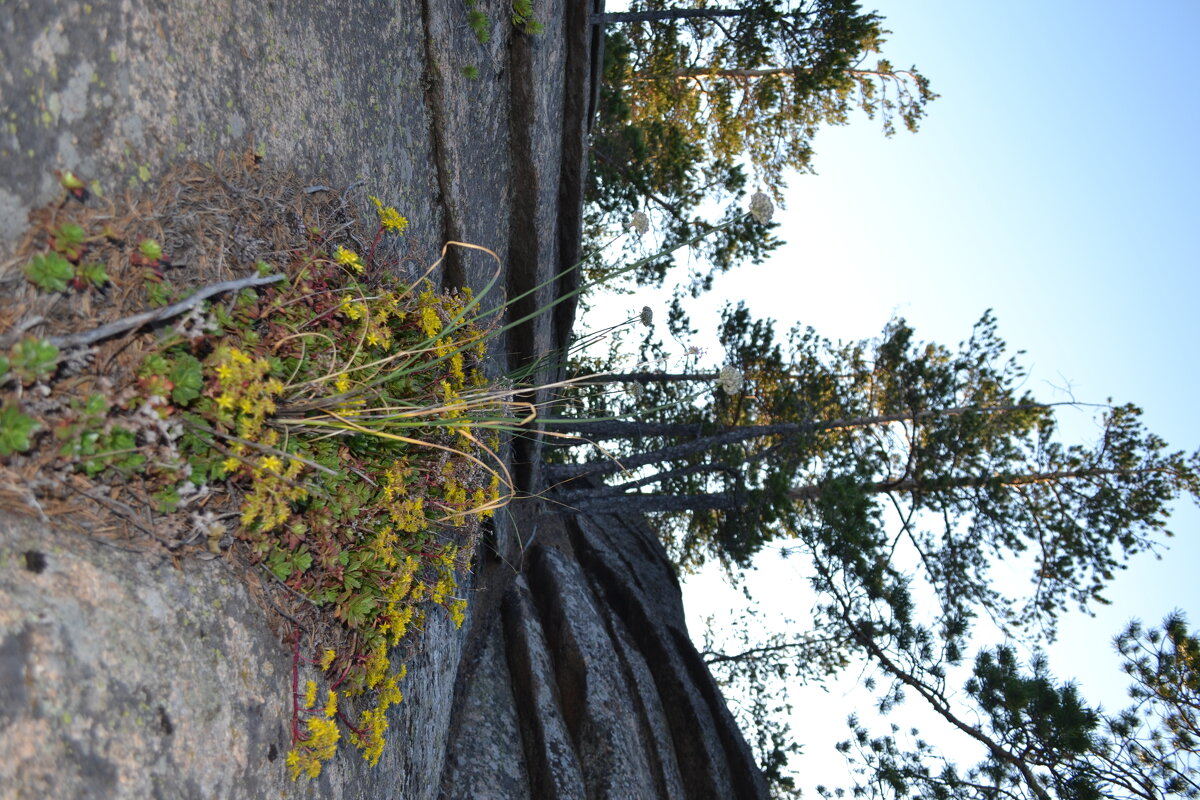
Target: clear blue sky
x=1057, y=181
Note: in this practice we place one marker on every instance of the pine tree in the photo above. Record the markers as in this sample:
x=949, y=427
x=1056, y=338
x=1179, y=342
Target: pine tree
x=693, y=95
x=902, y=472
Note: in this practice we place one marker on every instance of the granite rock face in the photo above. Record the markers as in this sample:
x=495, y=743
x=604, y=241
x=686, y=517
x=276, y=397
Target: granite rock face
x=611, y=697
x=125, y=675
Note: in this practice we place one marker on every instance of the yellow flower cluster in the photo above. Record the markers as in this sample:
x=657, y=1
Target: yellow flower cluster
x=430, y=322
x=352, y=307
x=398, y=608
x=374, y=314
x=487, y=500
x=389, y=693
x=395, y=481
x=374, y=720
x=244, y=391
x=272, y=493
x=377, y=665
x=389, y=217
x=454, y=492
x=317, y=747
x=445, y=585
x=349, y=258
x=409, y=515
x=458, y=611
x=411, y=356
x=245, y=397
x=320, y=744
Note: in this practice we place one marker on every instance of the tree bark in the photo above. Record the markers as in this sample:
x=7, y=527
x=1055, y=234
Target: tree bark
x=600, y=430
x=669, y=15
x=644, y=377
x=615, y=499
x=755, y=73
x=590, y=502
x=813, y=492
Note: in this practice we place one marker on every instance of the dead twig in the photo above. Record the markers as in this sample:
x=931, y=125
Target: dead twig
x=138, y=320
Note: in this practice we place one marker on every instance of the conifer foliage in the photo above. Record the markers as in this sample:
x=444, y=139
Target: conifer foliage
x=903, y=471
x=698, y=102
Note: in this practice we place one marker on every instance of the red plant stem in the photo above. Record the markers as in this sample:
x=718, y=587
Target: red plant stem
x=374, y=243
x=345, y=721
x=338, y=682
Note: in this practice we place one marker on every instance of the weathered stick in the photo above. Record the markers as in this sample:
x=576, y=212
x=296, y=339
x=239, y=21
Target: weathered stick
x=138, y=320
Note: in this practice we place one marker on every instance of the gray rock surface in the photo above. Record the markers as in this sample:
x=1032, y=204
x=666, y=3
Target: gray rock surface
x=123, y=675
x=599, y=657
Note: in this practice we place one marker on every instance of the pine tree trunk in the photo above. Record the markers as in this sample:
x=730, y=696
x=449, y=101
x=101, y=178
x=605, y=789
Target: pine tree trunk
x=764, y=72
x=590, y=502
x=600, y=430
x=644, y=377
x=669, y=15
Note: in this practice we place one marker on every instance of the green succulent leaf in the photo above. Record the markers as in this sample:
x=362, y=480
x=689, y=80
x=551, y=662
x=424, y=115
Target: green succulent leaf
x=96, y=405
x=33, y=360
x=94, y=274
x=50, y=271
x=70, y=233
x=188, y=379
x=153, y=364
x=150, y=249
x=15, y=430
x=70, y=181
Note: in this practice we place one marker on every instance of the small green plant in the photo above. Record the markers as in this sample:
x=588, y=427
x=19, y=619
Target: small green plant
x=50, y=271
x=522, y=17
x=470, y=72
x=32, y=360
x=479, y=23
x=69, y=241
x=72, y=184
x=16, y=430
x=61, y=267
x=149, y=251
x=92, y=276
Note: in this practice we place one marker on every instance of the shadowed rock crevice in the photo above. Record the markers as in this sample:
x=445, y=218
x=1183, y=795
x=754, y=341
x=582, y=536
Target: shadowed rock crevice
x=452, y=276
x=522, y=273
x=661, y=753
x=713, y=757
x=597, y=703
x=581, y=52
x=554, y=768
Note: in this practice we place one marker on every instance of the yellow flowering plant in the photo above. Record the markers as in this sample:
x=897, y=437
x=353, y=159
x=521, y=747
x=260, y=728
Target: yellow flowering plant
x=346, y=415
x=340, y=415
x=333, y=376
